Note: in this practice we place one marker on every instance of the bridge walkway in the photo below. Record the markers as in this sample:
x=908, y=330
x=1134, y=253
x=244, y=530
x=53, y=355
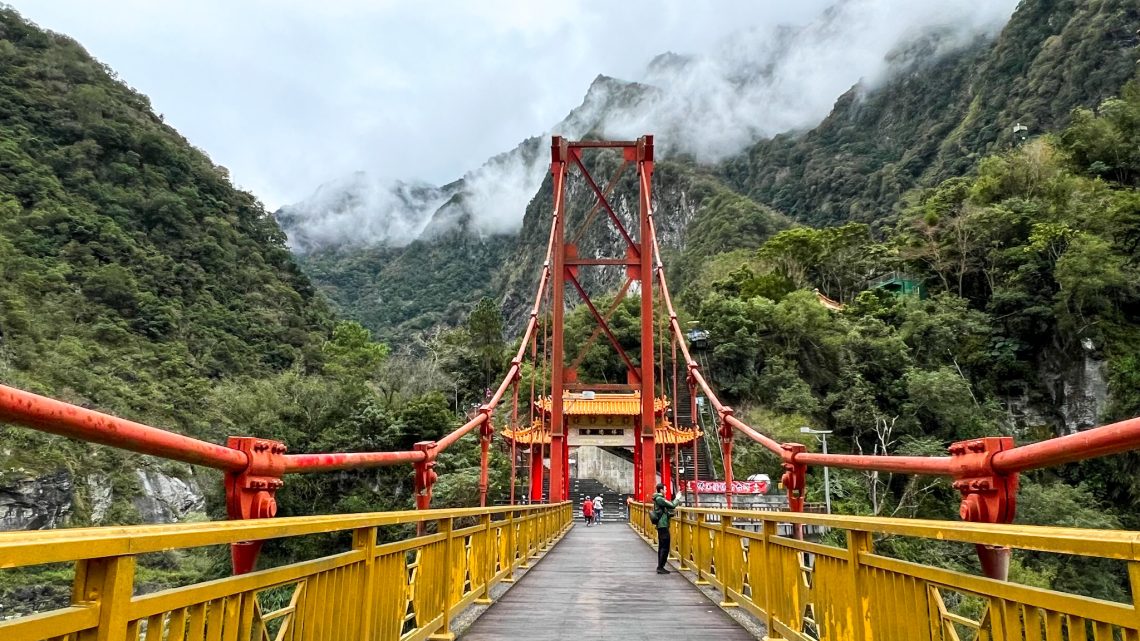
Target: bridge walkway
x=600, y=583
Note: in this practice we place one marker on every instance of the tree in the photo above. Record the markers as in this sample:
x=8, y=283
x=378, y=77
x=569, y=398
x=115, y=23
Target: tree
x=485, y=331
x=351, y=352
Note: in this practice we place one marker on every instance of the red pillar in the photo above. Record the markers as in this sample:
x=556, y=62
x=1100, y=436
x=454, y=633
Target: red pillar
x=559, y=155
x=726, y=453
x=695, y=426
x=566, y=471
x=987, y=497
x=666, y=472
x=536, y=470
x=637, y=494
x=485, y=433
x=645, y=274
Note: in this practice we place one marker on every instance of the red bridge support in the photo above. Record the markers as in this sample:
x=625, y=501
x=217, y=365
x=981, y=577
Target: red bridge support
x=639, y=264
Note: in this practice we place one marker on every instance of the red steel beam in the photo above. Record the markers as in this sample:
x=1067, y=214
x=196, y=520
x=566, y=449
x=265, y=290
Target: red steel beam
x=601, y=144
x=1114, y=438
x=597, y=328
x=558, y=152
x=603, y=325
x=601, y=262
x=56, y=417
x=645, y=274
x=933, y=465
x=598, y=205
x=303, y=463
x=605, y=203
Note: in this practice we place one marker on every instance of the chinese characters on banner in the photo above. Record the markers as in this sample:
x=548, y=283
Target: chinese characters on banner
x=717, y=487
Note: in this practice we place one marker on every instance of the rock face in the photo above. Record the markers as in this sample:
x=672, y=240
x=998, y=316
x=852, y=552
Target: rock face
x=37, y=503
x=1079, y=390
x=50, y=500
x=167, y=499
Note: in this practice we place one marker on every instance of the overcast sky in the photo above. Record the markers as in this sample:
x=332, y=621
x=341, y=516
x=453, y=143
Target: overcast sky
x=290, y=93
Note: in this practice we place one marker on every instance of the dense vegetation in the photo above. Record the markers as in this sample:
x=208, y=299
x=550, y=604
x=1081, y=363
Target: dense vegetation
x=402, y=292
x=937, y=116
x=134, y=274
x=1031, y=265
x=138, y=281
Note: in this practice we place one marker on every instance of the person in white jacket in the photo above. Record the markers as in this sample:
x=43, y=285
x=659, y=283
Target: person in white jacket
x=598, y=505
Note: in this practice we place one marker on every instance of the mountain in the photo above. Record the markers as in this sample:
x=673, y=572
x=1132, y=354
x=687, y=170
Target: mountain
x=136, y=279
x=938, y=116
x=947, y=91
x=405, y=289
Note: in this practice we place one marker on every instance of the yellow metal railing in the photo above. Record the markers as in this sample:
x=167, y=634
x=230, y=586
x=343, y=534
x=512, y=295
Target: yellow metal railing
x=407, y=590
x=805, y=590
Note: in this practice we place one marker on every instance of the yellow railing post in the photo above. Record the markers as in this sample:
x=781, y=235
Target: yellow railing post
x=524, y=542
x=107, y=583
x=682, y=550
x=534, y=534
x=446, y=526
x=857, y=543
x=675, y=537
x=702, y=555
x=512, y=548
x=542, y=526
x=723, y=571
x=489, y=563
x=771, y=588
x=365, y=539
x=1134, y=583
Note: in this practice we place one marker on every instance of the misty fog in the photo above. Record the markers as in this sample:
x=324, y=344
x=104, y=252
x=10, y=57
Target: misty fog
x=757, y=82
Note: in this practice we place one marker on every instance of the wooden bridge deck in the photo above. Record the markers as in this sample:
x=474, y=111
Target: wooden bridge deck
x=599, y=583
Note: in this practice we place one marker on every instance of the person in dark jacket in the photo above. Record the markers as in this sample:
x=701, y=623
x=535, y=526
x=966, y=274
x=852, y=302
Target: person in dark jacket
x=662, y=506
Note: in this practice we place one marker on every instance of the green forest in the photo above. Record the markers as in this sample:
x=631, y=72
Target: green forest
x=1029, y=266
x=138, y=281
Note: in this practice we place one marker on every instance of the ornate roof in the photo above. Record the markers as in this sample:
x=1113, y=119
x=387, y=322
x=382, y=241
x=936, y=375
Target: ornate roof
x=576, y=404
x=539, y=432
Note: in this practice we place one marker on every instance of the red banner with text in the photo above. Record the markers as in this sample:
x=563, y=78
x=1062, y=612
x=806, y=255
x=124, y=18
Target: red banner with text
x=738, y=487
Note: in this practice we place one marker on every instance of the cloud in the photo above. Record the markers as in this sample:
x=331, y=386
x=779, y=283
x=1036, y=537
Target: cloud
x=762, y=81
x=753, y=83
x=291, y=94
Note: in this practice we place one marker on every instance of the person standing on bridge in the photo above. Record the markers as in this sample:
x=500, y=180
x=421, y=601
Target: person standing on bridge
x=588, y=511
x=662, y=509
x=598, y=505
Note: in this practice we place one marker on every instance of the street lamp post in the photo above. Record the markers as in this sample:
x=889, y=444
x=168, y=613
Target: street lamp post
x=822, y=434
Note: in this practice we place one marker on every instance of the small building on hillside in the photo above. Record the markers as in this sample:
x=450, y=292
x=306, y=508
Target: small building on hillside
x=899, y=284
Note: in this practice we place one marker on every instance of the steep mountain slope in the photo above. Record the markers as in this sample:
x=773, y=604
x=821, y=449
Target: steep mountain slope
x=135, y=277
x=941, y=102
x=402, y=290
x=935, y=119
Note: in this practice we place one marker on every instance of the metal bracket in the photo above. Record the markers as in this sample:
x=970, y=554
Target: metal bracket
x=794, y=478
x=486, y=430
x=251, y=493
x=987, y=497
x=425, y=475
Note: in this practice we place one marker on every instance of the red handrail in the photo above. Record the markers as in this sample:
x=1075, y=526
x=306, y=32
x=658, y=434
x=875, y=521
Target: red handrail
x=56, y=417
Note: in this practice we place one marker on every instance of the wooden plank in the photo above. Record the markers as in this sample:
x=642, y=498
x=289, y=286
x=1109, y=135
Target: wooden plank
x=600, y=583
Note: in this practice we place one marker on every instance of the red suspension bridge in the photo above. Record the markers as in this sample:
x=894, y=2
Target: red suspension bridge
x=555, y=415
